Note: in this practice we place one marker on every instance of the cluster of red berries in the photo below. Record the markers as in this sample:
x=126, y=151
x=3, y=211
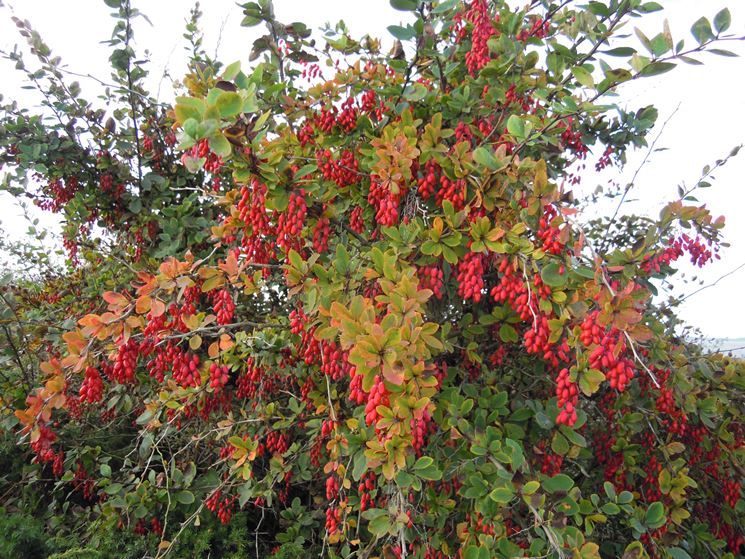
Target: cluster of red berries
x=306, y=134
x=332, y=487
x=367, y=485
x=431, y=277
x=252, y=207
x=454, y=191
x=428, y=181
x=343, y=171
x=321, y=233
x=567, y=397
x=125, y=362
x=334, y=362
x=91, y=390
x=60, y=192
x=549, y=234
x=608, y=355
x=384, y=201
x=572, y=140
x=277, y=443
x=511, y=289
x=463, y=133
x=291, y=221
x=186, y=369
x=222, y=506
x=538, y=29
x=356, y=221
x=653, y=264
x=219, y=375
x=378, y=397
x=249, y=381
x=731, y=489
x=83, y=483
x=482, y=30
x=605, y=159
x=333, y=519
x=470, y=276
x=524, y=101
x=223, y=306
x=420, y=428
x=356, y=394
x=550, y=463
x=700, y=253
x=347, y=119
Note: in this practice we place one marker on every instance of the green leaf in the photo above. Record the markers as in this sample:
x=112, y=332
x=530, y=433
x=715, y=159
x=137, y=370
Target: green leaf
x=306, y=170
x=423, y=463
x=404, y=5
x=380, y=526
x=723, y=52
x=484, y=156
x=431, y=473
x=185, y=497
x=508, y=334
x=649, y=7
x=655, y=515
x=610, y=509
x=552, y=276
x=220, y=145
x=583, y=76
x=701, y=30
x=189, y=107
x=445, y=6
x=229, y=103
x=402, y=33
x=530, y=487
x=678, y=553
x=656, y=68
x=516, y=126
x=722, y=20
x=113, y=489
x=560, y=482
x=105, y=470
x=501, y=495
x=589, y=381
x=620, y=51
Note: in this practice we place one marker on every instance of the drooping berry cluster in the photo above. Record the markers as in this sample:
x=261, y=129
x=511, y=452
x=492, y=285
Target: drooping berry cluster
x=431, y=277
x=378, y=397
x=477, y=14
x=291, y=222
x=91, y=390
x=223, y=507
x=566, y=399
x=223, y=306
x=125, y=362
x=470, y=276
x=219, y=375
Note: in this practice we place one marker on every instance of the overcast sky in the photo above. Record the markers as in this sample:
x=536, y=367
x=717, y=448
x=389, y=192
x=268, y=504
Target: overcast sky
x=708, y=124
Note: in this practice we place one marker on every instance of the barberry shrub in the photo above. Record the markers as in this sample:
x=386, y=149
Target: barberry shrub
x=364, y=314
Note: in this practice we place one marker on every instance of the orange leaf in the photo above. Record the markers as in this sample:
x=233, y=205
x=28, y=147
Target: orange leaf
x=144, y=303
x=158, y=308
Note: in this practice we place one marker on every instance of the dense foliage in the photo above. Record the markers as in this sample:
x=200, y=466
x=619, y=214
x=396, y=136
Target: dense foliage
x=344, y=303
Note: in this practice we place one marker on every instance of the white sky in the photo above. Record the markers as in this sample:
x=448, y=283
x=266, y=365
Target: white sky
x=710, y=121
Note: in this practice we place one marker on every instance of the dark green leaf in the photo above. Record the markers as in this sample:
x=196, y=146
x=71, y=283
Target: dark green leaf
x=404, y=5
x=722, y=20
x=701, y=30
x=560, y=482
x=552, y=276
x=656, y=68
